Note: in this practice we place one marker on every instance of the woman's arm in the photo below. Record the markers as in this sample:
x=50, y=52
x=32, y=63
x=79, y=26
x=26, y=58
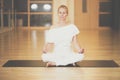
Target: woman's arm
x=76, y=45
x=47, y=47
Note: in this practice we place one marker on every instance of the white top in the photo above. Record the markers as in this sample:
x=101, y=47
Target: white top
x=63, y=53
x=61, y=34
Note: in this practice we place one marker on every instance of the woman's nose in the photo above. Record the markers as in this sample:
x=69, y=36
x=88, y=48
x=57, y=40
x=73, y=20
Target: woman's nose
x=62, y=14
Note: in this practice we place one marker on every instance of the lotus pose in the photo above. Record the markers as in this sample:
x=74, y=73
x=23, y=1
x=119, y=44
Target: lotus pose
x=63, y=35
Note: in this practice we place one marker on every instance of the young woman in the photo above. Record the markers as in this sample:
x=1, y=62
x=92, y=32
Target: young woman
x=62, y=35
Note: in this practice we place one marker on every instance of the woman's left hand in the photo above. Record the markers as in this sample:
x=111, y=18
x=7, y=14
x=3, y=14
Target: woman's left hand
x=81, y=50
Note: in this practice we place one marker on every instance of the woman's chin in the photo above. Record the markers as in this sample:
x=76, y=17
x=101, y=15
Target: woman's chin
x=62, y=18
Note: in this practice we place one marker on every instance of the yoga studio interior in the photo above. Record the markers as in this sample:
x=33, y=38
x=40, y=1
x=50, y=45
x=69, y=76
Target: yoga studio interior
x=22, y=36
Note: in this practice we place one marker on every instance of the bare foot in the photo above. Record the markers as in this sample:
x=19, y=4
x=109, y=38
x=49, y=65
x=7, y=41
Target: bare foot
x=50, y=64
x=74, y=64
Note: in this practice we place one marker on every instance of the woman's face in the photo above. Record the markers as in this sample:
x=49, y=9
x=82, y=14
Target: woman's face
x=62, y=13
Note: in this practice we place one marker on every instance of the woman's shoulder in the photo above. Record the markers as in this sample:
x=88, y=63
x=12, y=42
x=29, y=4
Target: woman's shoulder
x=72, y=24
x=53, y=26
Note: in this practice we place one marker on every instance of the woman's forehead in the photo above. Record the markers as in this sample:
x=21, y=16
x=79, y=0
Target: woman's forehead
x=62, y=9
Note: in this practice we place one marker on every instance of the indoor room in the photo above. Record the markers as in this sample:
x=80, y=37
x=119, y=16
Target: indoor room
x=36, y=37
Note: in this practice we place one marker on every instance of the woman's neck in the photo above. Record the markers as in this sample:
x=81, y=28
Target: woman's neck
x=62, y=22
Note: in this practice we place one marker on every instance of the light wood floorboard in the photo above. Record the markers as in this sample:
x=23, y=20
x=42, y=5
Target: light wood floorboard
x=27, y=45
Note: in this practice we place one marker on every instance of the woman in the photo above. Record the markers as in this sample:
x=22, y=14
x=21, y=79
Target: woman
x=62, y=35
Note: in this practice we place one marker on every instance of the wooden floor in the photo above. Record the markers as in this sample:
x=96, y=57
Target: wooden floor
x=27, y=45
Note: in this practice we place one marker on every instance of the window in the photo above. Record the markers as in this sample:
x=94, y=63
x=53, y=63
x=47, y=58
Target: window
x=33, y=13
x=105, y=13
x=40, y=13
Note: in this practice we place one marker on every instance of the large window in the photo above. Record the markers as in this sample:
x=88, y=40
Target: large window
x=41, y=20
x=21, y=5
x=6, y=16
x=41, y=7
x=105, y=16
x=22, y=20
x=40, y=13
x=33, y=13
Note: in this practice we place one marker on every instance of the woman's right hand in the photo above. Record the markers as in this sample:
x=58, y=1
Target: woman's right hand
x=44, y=51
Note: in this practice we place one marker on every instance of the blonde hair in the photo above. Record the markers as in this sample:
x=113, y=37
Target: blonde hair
x=63, y=6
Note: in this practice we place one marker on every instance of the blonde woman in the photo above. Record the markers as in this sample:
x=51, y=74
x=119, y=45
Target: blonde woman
x=62, y=35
